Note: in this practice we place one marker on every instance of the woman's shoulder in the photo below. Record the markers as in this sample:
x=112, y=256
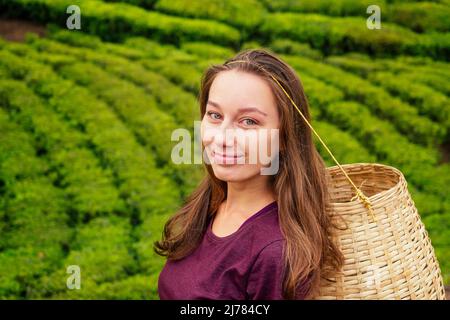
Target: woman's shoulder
x=271, y=252
x=266, y=229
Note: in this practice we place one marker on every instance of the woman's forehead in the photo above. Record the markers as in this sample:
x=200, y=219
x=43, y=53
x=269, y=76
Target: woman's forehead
x=240, y=89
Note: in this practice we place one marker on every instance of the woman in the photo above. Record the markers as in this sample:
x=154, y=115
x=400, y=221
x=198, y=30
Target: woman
x=243, y=234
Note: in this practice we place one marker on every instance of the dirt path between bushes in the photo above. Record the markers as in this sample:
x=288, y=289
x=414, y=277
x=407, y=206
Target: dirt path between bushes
x=15, y=30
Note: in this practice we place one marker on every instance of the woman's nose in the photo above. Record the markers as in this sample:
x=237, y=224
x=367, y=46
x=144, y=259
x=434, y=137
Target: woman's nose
x=225, y=136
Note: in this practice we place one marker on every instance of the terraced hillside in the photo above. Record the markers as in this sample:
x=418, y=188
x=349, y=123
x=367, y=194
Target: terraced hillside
x=86, y=118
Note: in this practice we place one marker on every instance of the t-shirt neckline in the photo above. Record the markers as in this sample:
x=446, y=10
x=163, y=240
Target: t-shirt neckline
x=257, y=214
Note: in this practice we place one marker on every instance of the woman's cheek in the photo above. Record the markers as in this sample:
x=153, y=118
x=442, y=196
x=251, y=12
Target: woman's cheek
x=208, y=132
x=262, y=146
x=249, y=142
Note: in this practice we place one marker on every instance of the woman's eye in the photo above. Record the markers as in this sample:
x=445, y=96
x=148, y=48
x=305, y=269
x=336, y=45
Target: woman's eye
x=211, y=114
x=253, y=122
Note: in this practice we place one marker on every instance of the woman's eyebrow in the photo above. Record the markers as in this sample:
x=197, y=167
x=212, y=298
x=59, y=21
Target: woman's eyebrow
x=215, y=104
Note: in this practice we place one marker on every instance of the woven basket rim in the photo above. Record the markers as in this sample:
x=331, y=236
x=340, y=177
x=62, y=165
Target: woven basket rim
x=401, y=177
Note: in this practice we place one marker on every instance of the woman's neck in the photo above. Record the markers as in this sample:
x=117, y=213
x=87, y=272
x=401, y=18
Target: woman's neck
x=247, y=197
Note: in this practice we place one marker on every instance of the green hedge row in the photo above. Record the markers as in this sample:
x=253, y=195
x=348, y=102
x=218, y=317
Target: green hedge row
x=93, y=262
x=339, y=35
x=418, y=165
x=18, y=155
x=148, y=120
x=420, y=16
x=434, y=81
x=184, y=70
x=319, y=93
x=417, y=16
x=429, y=102
x=288, y=46
x=181, y=105
x=415, y=63
x=327, y=7
x=152, y=127
x=142, y=285
x=345, y=148
x=140, y=3
x=75, y=168
x=30, y=203
x=443, y=255
x=438, y=227
x=149, y=262
x=135, y=287
x=139, y=110
x=114, y=21
x=101, y=250
x=142, y=185
x=20, y=267
x=133, y=48
x=428, y=203
x=405, y=117
x=180, y=67
x=34, y=224
x=244, y=14
x=207, y=51
x=413, y=70
x=362, y=64
x=147, y=233
x=54, y=285
x=357, y=63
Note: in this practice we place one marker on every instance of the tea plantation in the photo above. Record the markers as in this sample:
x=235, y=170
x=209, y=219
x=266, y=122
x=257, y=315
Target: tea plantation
x=86, y=118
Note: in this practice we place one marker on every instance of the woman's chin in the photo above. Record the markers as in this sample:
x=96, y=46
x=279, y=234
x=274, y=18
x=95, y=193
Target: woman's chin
x=232, y=173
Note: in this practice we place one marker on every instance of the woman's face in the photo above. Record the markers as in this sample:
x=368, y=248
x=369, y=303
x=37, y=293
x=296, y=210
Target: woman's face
x=241, y=123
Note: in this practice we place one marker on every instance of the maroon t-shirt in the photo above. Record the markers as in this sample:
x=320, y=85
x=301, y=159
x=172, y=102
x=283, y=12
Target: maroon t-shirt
x=247, y=264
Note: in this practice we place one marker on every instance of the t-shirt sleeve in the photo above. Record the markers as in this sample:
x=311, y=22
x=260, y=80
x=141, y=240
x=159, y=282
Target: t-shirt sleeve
x=266, y=275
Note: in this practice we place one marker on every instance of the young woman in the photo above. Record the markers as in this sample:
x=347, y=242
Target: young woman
x=243, y=234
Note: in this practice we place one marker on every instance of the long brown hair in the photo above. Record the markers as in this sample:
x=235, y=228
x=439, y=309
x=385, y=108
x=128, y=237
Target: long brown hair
x=300, y=184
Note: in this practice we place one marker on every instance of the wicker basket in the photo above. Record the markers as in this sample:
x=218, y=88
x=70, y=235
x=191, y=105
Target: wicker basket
x=390, y=257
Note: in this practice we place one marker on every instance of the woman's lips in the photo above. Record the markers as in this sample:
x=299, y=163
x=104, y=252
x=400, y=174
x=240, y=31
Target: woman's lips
x=221, y=158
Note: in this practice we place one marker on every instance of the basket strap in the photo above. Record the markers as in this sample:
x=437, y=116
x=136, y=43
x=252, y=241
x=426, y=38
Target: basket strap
x=359, y=194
